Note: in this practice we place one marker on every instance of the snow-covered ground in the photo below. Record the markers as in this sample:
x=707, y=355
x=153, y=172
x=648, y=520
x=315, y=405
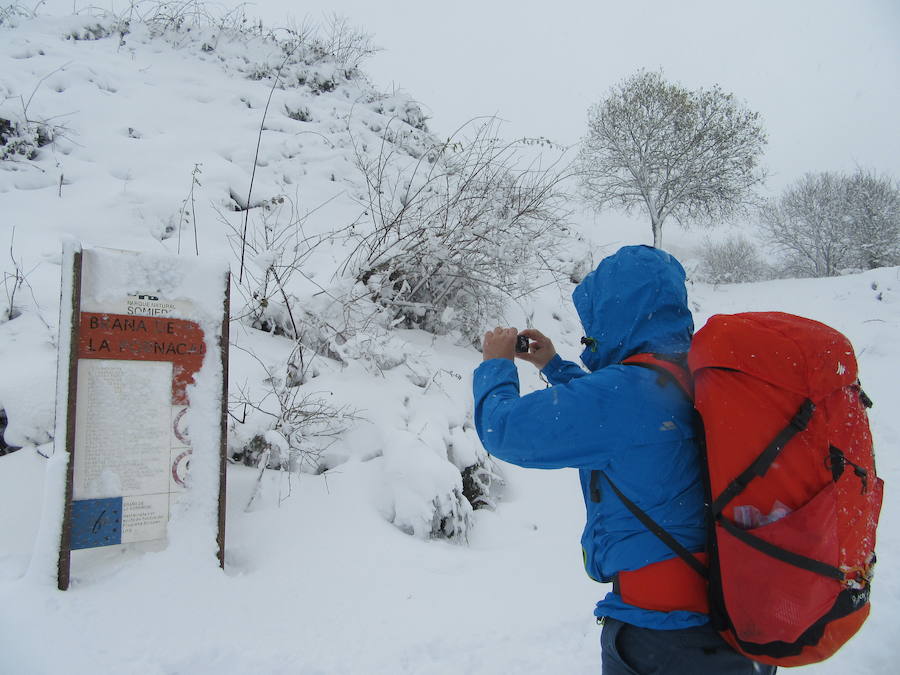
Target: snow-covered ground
x=157, y=133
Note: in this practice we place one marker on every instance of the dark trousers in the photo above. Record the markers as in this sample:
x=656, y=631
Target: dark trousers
x=630, y=650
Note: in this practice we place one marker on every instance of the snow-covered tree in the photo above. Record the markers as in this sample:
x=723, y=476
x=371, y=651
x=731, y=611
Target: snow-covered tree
x=873, y=212
x=807, y=223
x=670, y=151
x=828, y=222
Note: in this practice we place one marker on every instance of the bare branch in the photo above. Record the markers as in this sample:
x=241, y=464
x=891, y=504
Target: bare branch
x=456, y=227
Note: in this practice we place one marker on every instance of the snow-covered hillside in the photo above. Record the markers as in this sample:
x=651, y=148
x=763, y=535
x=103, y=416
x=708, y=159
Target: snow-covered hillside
x=157, y=134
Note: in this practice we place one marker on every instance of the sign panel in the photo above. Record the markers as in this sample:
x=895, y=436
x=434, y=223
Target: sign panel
x=133, y=360
x=116, y=460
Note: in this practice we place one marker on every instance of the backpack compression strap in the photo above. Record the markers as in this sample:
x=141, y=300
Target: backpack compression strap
x=676, y=369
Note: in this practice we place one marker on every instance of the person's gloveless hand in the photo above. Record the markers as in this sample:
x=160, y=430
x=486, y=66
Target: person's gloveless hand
x=540, y=348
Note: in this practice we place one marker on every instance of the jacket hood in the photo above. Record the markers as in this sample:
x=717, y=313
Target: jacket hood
x=634, y=302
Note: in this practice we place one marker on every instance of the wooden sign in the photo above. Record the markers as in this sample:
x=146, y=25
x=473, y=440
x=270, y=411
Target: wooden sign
x=142, y=329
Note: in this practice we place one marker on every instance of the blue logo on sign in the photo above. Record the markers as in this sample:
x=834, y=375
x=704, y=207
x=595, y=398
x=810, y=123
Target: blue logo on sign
x=96, y=522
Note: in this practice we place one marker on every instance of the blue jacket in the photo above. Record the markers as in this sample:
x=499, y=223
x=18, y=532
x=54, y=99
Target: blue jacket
x=615, y=418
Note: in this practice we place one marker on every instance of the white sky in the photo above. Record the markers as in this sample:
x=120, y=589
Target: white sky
x=824, y=74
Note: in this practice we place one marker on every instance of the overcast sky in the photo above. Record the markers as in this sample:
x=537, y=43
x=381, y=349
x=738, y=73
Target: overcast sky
x=825, y=75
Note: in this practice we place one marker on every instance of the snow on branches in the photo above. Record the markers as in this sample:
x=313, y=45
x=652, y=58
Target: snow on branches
x=669, y=151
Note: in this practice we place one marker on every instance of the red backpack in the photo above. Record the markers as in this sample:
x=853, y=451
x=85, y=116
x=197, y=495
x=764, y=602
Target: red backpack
x=794, y=498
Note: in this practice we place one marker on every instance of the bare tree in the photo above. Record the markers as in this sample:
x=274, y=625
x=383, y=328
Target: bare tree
x=873, y=212
x=828, y=222
x=808, y=224
x=669, y=151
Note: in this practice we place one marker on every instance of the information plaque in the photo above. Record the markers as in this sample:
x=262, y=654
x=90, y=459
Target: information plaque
x=138, y=345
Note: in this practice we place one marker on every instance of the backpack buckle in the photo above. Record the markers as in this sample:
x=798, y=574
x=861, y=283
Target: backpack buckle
x=801, y=420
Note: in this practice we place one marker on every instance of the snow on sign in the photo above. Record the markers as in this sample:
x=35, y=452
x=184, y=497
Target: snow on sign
x=145, y=339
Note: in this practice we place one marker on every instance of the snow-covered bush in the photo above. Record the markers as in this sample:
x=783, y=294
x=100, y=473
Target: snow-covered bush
x=481, y=484
x=4, y=448
x=407, y=111
x=11, y=14
x=289, y=427
x=271, y=248
x=21, y=139
x=439, y=448
x=428, y=499
x=457, y=231
x=732, y=261
x=349, y=45
x=303, y=426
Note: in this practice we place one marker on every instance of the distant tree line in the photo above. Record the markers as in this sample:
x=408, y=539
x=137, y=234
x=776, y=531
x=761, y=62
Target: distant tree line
x=694, y=155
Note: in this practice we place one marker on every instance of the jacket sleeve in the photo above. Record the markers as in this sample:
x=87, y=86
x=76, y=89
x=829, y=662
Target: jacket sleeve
x=559, y=371
x=577, y=424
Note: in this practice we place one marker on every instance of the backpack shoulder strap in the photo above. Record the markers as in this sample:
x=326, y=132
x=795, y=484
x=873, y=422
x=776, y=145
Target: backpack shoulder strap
x=674, y=367
x=658, y=530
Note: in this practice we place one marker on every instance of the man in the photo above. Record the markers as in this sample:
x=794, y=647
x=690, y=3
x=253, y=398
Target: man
x=625, y=428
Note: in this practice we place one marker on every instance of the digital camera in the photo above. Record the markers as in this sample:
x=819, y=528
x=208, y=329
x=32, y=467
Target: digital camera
x=522, y=343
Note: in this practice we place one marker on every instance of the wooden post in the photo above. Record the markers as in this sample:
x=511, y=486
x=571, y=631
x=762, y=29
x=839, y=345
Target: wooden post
x=65, y=552
x=223, y=439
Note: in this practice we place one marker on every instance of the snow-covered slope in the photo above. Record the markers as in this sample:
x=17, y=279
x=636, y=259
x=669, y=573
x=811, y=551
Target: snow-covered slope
x=155, y=130
x=162, y=132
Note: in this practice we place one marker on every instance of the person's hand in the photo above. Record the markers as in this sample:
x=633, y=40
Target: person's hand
x=540, y=348
x=499, y=343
